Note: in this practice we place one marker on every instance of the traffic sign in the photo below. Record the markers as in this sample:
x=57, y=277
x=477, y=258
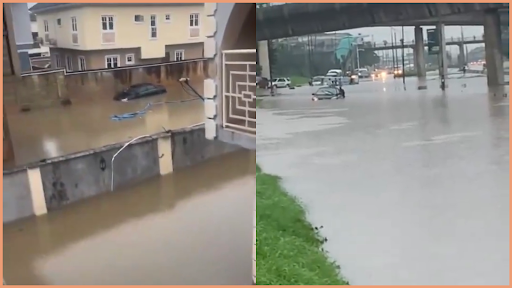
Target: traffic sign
x=432, y=41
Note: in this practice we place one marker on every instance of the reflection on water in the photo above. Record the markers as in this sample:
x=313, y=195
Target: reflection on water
x=192, y=227
x=46, y=133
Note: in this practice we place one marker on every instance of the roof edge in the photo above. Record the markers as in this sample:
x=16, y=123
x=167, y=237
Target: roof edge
x=61, y=6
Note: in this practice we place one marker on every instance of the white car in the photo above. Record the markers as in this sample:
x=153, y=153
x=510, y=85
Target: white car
x=363, y=73
x=281, y=82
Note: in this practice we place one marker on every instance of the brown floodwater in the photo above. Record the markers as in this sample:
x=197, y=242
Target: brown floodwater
x=191, y=227
x=57, y=131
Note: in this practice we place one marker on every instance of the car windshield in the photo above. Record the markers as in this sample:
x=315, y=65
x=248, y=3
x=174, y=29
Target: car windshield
x=327, y=91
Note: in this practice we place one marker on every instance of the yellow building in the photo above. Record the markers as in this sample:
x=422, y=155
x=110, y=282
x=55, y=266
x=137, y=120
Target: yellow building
x=85, y=36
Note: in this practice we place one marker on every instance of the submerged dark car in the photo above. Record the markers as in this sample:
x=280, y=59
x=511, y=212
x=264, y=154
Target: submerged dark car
x=140, y=91
x=327, y=93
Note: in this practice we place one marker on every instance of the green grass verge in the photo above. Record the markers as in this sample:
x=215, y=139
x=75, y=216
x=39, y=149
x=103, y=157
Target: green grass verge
x=258, y=102
x=298, y=80
x=288, y=249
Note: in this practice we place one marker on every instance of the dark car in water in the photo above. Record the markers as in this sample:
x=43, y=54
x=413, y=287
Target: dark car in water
x=327, y=93
x=142, y=90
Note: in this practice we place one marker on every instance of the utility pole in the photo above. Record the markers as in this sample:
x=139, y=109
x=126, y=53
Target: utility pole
x=393, y=49
x=463, y=56
x=357, y=56
x=270, y=59
x=403, y=57
x=396, y=51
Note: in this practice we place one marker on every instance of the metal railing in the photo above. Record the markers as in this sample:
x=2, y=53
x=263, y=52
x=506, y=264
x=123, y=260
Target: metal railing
x=239, y=91
x=448, y=40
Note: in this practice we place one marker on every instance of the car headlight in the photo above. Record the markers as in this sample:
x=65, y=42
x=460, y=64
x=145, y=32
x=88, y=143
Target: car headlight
x=353, y=76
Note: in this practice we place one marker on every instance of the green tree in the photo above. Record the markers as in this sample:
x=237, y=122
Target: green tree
x=368, y=57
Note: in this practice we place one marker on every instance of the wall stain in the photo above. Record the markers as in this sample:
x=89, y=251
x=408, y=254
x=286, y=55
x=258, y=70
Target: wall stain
x=59, y=195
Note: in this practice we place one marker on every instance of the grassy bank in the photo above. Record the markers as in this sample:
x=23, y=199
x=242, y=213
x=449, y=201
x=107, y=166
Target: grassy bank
x=298, y=80
x=288, y=249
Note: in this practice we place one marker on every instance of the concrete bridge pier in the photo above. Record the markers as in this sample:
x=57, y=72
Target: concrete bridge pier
x=443, y=61
x=493, y=53
x=264, y=59
x=419, y=58
x=462, y=55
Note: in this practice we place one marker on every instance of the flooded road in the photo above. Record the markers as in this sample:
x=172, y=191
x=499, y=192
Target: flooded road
x=52, y=132
x=412, y=187
x=170, y=230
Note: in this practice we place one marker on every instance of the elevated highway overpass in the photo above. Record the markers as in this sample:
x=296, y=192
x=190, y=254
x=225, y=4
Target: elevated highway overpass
x=288, y=20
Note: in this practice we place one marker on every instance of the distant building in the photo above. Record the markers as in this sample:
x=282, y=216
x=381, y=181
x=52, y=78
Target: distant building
x=97, y=36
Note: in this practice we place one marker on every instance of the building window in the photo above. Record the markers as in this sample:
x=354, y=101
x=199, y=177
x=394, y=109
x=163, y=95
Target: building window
x=81, y=63
x=74, y=24
x=194, y=20
x=46, y=28
x=138, y=18
x=179, y=55
x=152, y=25
x=69, y=63
x=167, y=18
x=107, y=23
x=130, y=59
x=111, y=61
x=59, y=22
x=58, y=64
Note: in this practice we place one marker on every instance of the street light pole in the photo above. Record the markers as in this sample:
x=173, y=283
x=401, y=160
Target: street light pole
x=357, y=56
x=403, y=57
x=393, y=49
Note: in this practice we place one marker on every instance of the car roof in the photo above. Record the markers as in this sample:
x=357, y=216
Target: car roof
x=140, y=85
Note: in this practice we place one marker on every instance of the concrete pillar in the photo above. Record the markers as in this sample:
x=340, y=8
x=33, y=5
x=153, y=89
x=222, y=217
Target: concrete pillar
x=462, y=55
x=419, y=58
x=8, y=148
x=264, y=59
x=493, y=53
x=443, y=61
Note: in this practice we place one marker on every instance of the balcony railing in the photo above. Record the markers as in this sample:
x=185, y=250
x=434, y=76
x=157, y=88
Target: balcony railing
x=239, y=91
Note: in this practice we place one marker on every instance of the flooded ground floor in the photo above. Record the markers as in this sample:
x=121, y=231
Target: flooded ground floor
x=57, y=131
x=412, y=187
x=191, y=227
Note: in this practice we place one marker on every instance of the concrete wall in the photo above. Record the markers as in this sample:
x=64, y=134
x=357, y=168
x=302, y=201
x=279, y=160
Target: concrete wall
x=192, y=147
x=17, y=199
x=46, y=88
x=21, y=24
x=78, y=178
x=47, y=186
x=95, y=59
x=17, y=47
